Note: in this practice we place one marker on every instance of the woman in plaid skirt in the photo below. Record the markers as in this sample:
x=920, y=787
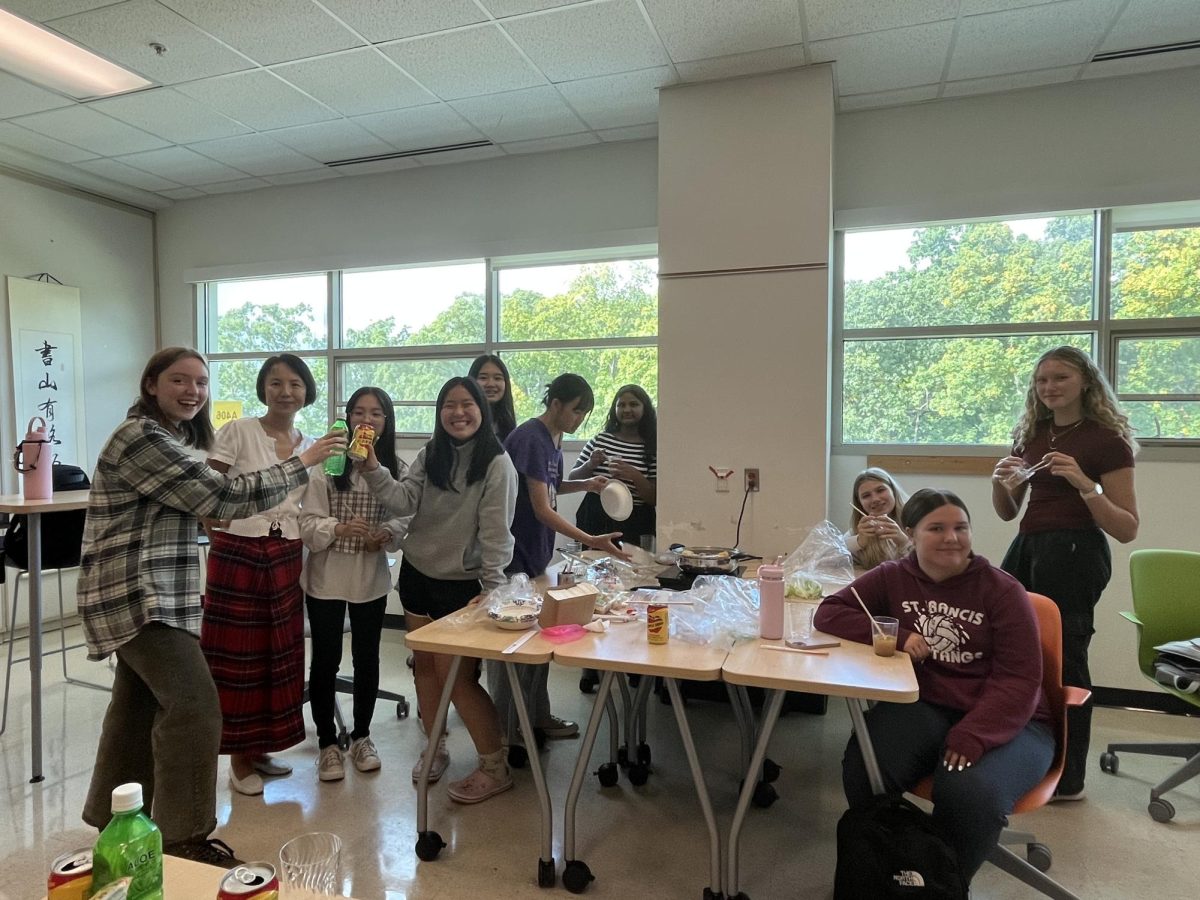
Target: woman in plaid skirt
x=253, y=629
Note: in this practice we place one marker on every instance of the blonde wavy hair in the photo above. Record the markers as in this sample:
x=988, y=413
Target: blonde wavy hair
x=874, y=551
x=1099, y=403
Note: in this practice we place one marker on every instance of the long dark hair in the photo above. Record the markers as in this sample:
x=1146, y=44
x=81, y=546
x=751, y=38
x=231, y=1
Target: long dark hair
x=385, y=441
x=439, y=452
x=196, y=432
x=504, y=414
x=647, y=426
x=566, y=389
x=925, y=501
x=298, y=366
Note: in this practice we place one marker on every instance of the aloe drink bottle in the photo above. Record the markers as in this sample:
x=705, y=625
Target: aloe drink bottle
x=336, y=464
x=130, y=845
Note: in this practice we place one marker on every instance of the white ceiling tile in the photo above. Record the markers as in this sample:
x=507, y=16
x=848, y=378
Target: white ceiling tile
x=419, y=127
x=117, y=171
x=699, y=29
x=355, y=83
x=170, y=115
x=379, y=22
x=1039, y=37
x=520, y=115
x=754, y=62
x=440, y=62
x=322, y=174
x=543, y=145
x=45, y=10
x=327, y=141
x=564, y=45
x=234, y=187
x=615, y=101
x=182, y=165
x=255, y=154
x=20, y=98
x=258, y=99
x=636, y=133
x=467, y=154
x=268, y=32
x=502, y=8
x=90, y=130
x=1009, y=82
x=1140, y=64
x=887, y=98
x=887, y=60
x=1150, y=23
x=125, y=31
x=182, y=193
x=41, y=145
x=973, y=7
x=837, y=18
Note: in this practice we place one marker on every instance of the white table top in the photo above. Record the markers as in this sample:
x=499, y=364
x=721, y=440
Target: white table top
x=59, y=502
x=851, y=670
x=480, y=640
x=624, y=648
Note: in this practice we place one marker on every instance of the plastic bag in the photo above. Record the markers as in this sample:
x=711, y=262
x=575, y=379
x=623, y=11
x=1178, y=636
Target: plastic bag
x=820, y=566
x=518, y=591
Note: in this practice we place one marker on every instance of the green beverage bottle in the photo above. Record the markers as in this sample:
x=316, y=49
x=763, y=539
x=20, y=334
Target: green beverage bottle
x=130, y=845
x=336, y=464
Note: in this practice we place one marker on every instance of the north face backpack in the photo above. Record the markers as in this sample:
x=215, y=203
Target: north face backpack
x=888, y=848
x=62, y=532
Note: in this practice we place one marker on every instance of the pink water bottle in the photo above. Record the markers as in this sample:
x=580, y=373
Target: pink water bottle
x=34, y=459
x=770, y=602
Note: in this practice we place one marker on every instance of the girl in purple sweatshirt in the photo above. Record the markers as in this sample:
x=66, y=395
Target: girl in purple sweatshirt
x=982, y=724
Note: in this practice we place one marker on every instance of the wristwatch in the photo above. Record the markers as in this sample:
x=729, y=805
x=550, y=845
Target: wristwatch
x=1096, y=491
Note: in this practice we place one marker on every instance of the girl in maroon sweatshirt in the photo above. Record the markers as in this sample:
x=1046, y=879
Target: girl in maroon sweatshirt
x=982, y=724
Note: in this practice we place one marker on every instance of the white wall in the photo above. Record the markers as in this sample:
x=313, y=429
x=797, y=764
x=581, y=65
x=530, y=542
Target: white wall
x=107, y=251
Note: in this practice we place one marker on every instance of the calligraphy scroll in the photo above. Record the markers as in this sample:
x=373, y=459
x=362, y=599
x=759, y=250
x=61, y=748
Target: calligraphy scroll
x=46, y=334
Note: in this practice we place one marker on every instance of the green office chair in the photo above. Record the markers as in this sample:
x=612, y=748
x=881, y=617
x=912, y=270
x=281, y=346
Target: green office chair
x=1166, y=607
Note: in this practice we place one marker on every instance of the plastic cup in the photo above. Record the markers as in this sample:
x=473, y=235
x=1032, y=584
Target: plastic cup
x=311, y=866
x=649, y=543
x=1017, y=477
x=884, y=634
x=800, y=621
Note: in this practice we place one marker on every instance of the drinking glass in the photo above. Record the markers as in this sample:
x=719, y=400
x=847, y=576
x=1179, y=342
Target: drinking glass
x=883, y=635
x=800, y=621
x=310, y=866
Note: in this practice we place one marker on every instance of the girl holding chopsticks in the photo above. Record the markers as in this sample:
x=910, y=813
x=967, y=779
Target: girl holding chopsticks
x=1072, y=454
x=875, y=535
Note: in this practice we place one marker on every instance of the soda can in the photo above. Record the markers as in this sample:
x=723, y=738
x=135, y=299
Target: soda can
x=658, y=623
x=70, y=876
x=364, y=437
x=250, y=881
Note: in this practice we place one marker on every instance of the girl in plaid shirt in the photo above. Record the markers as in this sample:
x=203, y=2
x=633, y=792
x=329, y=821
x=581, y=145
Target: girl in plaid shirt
x=139, y=596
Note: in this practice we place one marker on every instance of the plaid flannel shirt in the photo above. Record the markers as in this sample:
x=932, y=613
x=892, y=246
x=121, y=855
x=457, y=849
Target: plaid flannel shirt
x=139, y=542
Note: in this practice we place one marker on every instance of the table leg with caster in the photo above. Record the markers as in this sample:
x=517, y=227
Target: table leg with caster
x=430, y=843
x=576, y=874
x=770, y=717
x=689, y=746
x=546, y=870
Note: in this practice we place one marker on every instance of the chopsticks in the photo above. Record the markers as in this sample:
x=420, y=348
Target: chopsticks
x=792, y=650
x=519, y=642
x=867, y=515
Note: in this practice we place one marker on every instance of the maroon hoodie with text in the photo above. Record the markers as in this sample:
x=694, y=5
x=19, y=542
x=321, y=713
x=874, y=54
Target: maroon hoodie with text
x=980, y=625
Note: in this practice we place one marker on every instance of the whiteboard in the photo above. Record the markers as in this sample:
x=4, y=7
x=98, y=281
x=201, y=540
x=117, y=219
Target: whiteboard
x=47, y=354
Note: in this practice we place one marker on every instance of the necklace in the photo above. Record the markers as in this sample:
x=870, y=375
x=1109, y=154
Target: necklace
x=1055, y=435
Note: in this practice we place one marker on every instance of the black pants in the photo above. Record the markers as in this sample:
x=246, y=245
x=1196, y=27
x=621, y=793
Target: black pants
x=326, y=618
x=1072, y=568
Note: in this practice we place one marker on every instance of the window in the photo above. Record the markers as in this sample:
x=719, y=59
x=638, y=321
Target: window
x=940, y=324
x=407, y=330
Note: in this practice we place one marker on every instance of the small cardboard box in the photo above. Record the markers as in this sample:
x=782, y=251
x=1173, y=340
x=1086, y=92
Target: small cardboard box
x=569, y=605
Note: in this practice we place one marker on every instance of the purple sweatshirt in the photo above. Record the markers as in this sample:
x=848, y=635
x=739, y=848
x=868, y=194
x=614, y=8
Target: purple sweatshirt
x=986, y=655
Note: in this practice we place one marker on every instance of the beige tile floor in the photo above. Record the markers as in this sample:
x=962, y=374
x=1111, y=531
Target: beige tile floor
x=639, y=842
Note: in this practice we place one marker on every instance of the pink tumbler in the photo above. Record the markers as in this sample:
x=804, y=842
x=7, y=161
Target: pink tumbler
x=34, y=459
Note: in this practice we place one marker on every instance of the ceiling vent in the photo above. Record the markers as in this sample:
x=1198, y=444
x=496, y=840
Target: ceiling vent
x=1146, y=51
x=404, y=154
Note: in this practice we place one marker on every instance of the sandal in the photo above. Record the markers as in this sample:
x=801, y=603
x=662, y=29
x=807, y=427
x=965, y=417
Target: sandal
x=478, y=786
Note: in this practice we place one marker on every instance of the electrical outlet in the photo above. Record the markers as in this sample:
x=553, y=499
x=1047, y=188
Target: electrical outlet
x=752, y=480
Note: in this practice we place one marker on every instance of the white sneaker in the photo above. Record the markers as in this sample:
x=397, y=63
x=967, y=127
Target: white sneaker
x=330, y=767
x=364, y=755
x=441, y=760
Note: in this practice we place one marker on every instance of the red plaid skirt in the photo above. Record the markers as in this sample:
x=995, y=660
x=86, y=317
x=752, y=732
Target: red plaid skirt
x=252, y=635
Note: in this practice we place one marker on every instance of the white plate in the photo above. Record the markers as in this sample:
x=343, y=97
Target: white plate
x=617, y=500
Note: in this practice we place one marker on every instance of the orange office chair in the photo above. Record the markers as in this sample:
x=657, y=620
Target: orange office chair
x=1060, y=697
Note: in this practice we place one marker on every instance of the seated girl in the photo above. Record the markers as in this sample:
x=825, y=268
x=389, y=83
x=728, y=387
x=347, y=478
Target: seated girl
x=875, y=534
x=982, y=723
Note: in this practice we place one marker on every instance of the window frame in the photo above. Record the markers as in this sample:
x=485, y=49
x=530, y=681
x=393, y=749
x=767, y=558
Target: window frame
x=1105, y=333
x=337, y=356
